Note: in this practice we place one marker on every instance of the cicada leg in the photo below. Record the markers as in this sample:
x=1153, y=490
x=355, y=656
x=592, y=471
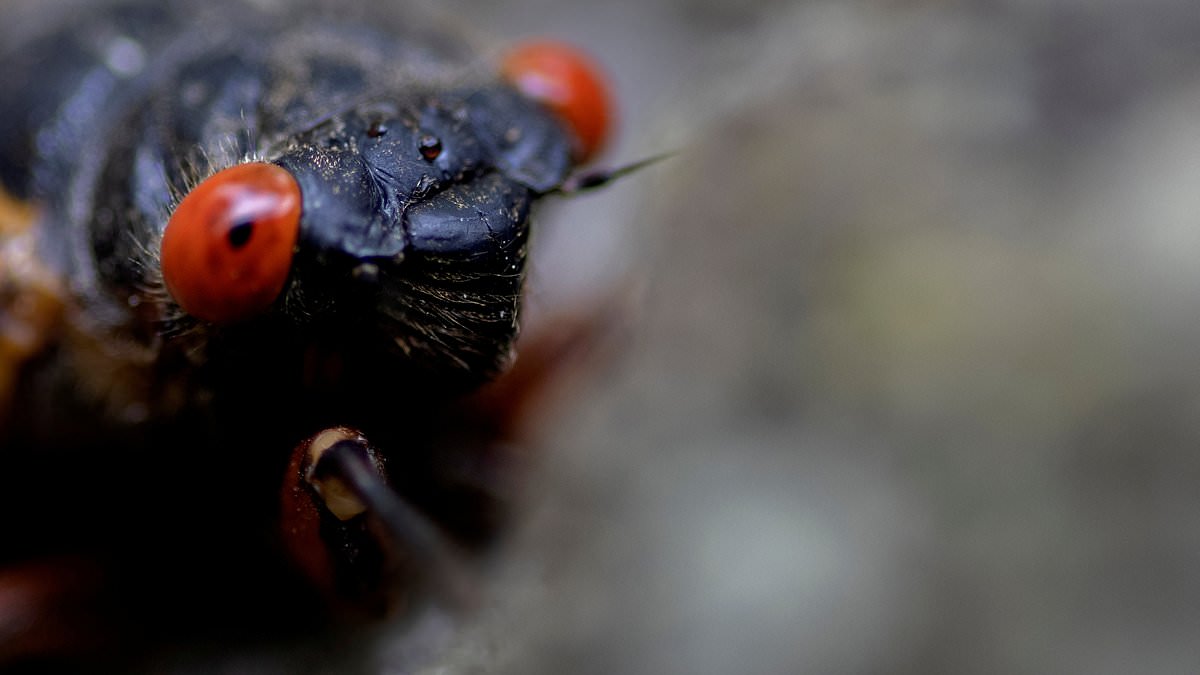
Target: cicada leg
x=369, y=542
x=355, y=537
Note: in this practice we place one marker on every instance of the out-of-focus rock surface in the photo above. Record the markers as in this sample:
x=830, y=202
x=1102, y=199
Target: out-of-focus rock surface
x=911, y=385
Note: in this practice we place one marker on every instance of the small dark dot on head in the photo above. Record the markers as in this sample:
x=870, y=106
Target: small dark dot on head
x=239, y=234
x=431, y=147
x=377, y=129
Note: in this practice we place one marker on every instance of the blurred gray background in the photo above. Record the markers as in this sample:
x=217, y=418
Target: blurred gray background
x=909, y=381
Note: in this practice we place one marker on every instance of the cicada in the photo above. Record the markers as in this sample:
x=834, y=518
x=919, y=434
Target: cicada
x=258, y=260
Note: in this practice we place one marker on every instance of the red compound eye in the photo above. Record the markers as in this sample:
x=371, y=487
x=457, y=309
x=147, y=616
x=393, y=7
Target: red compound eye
x=227, y=250
x=564, y=79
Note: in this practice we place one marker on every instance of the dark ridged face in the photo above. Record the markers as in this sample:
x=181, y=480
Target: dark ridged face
x=415, y=219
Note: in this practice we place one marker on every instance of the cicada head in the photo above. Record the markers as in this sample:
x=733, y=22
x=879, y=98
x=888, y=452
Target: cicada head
x=399, y=224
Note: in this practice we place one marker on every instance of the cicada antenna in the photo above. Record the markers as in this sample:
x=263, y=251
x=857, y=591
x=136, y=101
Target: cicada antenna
x=590, y=180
